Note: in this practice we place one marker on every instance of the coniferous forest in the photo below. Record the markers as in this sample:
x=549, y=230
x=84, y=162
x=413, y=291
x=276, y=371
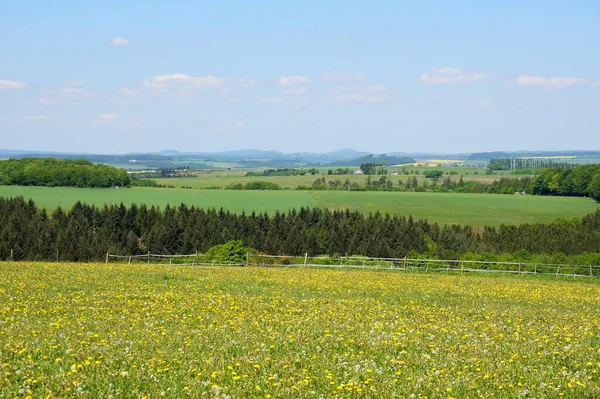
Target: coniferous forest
x=88, y=232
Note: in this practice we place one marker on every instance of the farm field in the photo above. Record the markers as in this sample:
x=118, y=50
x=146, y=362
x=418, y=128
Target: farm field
x=146, y=331
x=221, y=179
x=452, y=208
x=235, y=201
x=443, y=208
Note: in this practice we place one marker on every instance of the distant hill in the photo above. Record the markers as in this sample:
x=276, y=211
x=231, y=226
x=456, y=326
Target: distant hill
x=346, y=153
x=387, y=160
x=254, y=158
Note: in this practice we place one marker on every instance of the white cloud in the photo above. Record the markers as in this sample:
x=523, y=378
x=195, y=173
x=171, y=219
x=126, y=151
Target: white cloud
x=290, y=121
x=47, y=92
x=126, y=96
x=123, y=91
x=297, y=91
x=451, y=75
x=483, y=104
x=130, y=124
x=342, y=77
x=376, y=88
x=11, y=84
x=231, y=126
x=116, y=120
x=35, y=119
x=181, y=80
x=293, y=80
x=44, y=101
x=105, y=118
x=119, y=41
x=247, y=82
x=551, y=83
x=368, y=94
x=74, y=83
x=358, y=97
x=74, y=92
x=596, y=83
x=271, y=100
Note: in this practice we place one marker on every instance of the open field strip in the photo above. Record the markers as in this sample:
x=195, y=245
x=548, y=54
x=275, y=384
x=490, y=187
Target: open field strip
x=223, y=179
x=444, y=208
x=235, y=201
x=96, y=330
x=450, y=208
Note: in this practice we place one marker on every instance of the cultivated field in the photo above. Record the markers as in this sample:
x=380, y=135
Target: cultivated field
x=81, y=330
x=452, y=208
x=444, y=208
x=221, y=179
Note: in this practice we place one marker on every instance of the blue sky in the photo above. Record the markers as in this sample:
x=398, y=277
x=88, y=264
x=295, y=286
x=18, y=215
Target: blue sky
x=379, y=76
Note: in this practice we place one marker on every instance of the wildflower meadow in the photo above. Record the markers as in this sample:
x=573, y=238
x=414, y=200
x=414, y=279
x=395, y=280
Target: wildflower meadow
x=138, y=331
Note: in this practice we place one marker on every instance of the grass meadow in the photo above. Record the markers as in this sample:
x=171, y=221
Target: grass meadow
x=96, y=330
x=221, y=179
x=443, y=208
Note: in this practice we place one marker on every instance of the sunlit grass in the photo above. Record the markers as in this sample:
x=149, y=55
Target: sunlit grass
x=73, y=330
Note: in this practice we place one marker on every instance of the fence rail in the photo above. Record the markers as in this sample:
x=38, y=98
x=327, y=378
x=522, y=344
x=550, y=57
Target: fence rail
x=360, y=262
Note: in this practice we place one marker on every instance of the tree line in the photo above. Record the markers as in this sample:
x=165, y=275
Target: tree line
x=87, y=232
x=51, y=172
x=527, y=164
x=581, y=181
x=284, y=172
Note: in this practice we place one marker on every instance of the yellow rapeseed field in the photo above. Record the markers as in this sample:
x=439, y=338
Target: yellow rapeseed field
x=118, y=331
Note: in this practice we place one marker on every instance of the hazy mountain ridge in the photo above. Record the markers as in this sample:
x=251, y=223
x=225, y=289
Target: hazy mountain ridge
x=252, y=158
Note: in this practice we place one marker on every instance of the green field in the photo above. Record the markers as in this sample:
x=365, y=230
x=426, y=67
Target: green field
x=452, y=208
x=235, y=201
x=444, y=208
x=138, y=331
x=221, y=179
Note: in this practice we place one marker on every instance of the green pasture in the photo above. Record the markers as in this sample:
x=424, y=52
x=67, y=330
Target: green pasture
x=235, y=201
x=444, y=208
x=225, y=178
x=221, y=179
x=452, y=208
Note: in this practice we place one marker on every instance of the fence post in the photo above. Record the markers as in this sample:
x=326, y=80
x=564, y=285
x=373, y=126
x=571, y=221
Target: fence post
x=246, y=258
x=405, y=262
x=129, y=262
x=305, y=258
x=557, y=270
x=195, y=258
x=591, y=274
x=148, y=260
x=462, y=266
x=11, y=255
x=171, y=261
x=519, y=267
x=57, y=255
x=107, y=258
